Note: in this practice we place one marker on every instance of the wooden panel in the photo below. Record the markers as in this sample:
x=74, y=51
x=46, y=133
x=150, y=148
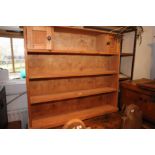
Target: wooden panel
x=62, y=85
x=40, y=65
x=84, y=42
x=37, y=37
x=72, y=74
x=66, y=106
x=106, y=43
x=76, y=52
x=108, y=121
x=71, y=41
x=145, y=102
x=74, y=29
x=70, y=95
x=49, y=122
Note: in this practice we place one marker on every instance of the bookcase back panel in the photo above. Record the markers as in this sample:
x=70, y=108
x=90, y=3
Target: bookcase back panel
x=75, y=40
x=59, y=64
x=71, y=41
x=61, y=85
x=67, y=106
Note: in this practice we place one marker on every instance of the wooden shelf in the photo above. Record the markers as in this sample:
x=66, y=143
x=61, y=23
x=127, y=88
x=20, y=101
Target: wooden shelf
x=95, y=31
x=53, y=121
x=71, y=70
x=126, y=54
x=72, y=52
x=76, y=74
x=69, y=95
x=123, y=77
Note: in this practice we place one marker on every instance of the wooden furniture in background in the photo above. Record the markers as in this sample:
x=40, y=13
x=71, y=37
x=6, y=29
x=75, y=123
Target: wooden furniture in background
x=14, y=125
x=132, y=93
x=71, y=73
x=108, y=121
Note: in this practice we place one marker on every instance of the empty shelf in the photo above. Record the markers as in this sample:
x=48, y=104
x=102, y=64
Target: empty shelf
x=53, y=121
x=80, y=52
x=69, y=95
x=72, y=74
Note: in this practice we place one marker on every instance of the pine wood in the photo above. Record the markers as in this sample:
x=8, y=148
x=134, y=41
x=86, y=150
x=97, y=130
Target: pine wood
x=49, y=109
x=37, y=37
x=72, y=74
x=69, y=95
x=72, y=84
x=49, y=122
x=71, y=52
x=58, y=65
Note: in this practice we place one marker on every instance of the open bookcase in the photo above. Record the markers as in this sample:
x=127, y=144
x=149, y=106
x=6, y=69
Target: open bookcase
x=71, y=73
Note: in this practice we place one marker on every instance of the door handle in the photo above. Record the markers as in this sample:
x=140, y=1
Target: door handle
x=49, y=38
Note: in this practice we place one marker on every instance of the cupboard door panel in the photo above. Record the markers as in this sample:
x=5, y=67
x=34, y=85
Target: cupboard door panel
x=111, y=43
x=106, y=43
x=39, y=37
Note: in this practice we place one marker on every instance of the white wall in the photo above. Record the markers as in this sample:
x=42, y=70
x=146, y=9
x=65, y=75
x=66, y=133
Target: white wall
x=153, y=56
x=144, y=59
x=127, y=47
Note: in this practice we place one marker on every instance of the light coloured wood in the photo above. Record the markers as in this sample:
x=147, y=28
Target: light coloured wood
x=73, y=75
x=69, y=95
x=63, y=85
x=71, y=52
x=83, y=30
x=58, y=65
x=72, y=41
x=49, y=122
x=108, y=43
x=37, y=37
x=55, y=108
x=84, y=42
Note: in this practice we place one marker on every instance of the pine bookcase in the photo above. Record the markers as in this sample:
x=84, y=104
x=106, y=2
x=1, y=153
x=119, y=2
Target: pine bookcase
x=70, y=73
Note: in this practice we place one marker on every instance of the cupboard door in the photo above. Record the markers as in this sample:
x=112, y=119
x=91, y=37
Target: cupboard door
x=39, y=37
x=106, y=43
x=111, y=44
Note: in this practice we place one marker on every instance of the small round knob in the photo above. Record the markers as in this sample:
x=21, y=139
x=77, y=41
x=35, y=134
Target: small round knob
x=49, y=38
x=108, y=43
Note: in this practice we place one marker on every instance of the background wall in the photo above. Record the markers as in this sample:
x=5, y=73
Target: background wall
x=152, y=74
x=145, y=54
x=145, y=57
x=127, y=47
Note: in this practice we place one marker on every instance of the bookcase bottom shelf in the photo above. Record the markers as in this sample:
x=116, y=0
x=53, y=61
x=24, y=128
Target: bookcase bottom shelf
x=53, y=121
